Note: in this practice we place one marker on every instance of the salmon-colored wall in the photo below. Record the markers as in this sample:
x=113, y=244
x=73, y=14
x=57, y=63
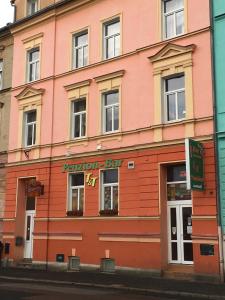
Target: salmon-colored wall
x=139, y=29
x=138, y=197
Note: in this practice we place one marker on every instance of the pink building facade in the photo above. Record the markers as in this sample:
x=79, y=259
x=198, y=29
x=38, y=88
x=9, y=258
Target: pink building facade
x=104, y=95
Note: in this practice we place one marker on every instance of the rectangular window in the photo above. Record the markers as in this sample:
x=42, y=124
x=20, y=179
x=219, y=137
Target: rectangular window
x=33, y=64
x=30, y=128
x=79, y=118
x=32, y=7
x=173, y=11
x=176, y=183
x=80, y=49
x=111, y=36
x=174, y=98
x=111, y=111
x=1, y=74
x=109, y=190
x=76, y=192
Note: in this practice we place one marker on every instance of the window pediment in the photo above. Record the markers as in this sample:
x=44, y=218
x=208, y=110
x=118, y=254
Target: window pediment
x=171, y=50
x=30, y=92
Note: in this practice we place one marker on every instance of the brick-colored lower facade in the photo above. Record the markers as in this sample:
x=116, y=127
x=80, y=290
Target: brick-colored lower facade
x=137, y=237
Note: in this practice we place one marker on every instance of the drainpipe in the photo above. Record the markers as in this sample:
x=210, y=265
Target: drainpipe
x=220, y=234
x=51, y=143
x=12, y=2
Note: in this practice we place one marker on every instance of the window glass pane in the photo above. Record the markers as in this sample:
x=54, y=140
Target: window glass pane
x=110, y=176
x=81, y=204
x=116, y=117
x=74, y=199
x=79, y=105
x=34, y=139
x=85, y=54
x=117, y=45
x=175, y=83
x=111, y=98
x=115, y=197
x=31, y=116
x=176, y=173
x=30, y=204
x=173, y=223
x=172, y=5
x=34, y=55
x=28, y=228
x=113, y=28
x=171, y=107
x=169, y=26
x=178, y=191
x=77, y=126
x=174, y=251
x=77, y=179
x=179, y=22
x=108, y=119
x=81, y=40
x=110, y=47
x=83, y=125
x=188, y=252
x=181, y=105
x=79, y=57
x=31, y=72
x=37, y=70
x=29, y=135
x=187, y=223
x=107, y=197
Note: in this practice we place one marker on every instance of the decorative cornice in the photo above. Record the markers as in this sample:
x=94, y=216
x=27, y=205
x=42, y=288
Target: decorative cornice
x=77, y=85
x=29, y=92
x=109, y=76
x=171, y=50
x=31, y=38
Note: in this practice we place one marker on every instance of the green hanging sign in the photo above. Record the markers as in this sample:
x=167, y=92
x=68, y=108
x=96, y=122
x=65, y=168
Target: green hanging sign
x=194, y=165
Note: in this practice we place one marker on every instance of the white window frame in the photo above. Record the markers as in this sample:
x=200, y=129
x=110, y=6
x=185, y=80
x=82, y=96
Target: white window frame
x=1, y=74
x=113, y=106
x=81, y=114
x=173, y=13
x=29, y=7
x=111, y=185
x=176, y=92
x=77, y=48
x=35, y=63
x=113, y=36
x=76, y=187
x=34, y=129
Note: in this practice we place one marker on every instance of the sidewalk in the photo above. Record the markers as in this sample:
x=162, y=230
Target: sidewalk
x=129, y=282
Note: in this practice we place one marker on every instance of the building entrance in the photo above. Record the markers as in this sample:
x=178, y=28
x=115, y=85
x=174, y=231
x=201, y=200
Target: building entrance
x=29, y=227
x=179, y=217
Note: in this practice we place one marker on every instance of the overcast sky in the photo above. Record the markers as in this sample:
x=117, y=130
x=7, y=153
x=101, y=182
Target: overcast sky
x=6, y=12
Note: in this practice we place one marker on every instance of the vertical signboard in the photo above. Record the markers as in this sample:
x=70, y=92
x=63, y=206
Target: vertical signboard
x=194, y=165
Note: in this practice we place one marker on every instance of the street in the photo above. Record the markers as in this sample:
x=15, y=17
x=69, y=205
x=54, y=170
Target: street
x=10, y=290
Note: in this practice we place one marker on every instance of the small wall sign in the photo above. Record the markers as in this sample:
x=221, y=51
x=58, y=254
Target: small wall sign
x=109, y=163
x=90, y=180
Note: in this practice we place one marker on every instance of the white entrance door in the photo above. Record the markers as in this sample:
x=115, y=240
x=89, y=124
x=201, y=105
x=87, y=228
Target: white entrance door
x=29, y=228
x=179, y=232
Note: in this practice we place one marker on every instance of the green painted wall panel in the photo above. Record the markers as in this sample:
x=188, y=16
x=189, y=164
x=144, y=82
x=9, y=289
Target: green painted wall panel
x=218, y=7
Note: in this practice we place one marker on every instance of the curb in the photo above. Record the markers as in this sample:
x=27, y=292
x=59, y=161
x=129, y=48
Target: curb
x=118, y=287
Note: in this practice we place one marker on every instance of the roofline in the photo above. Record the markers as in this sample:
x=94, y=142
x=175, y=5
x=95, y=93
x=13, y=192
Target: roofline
x=40, y=12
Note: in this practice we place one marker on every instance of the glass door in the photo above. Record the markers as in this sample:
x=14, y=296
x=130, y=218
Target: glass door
x=179, y=233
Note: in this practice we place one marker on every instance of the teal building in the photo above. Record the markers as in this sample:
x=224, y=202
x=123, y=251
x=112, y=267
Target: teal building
x=218, y=30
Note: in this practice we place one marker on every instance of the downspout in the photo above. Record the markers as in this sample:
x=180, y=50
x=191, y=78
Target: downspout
x=12, y=2
x=51, y=144
x=220, y=235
